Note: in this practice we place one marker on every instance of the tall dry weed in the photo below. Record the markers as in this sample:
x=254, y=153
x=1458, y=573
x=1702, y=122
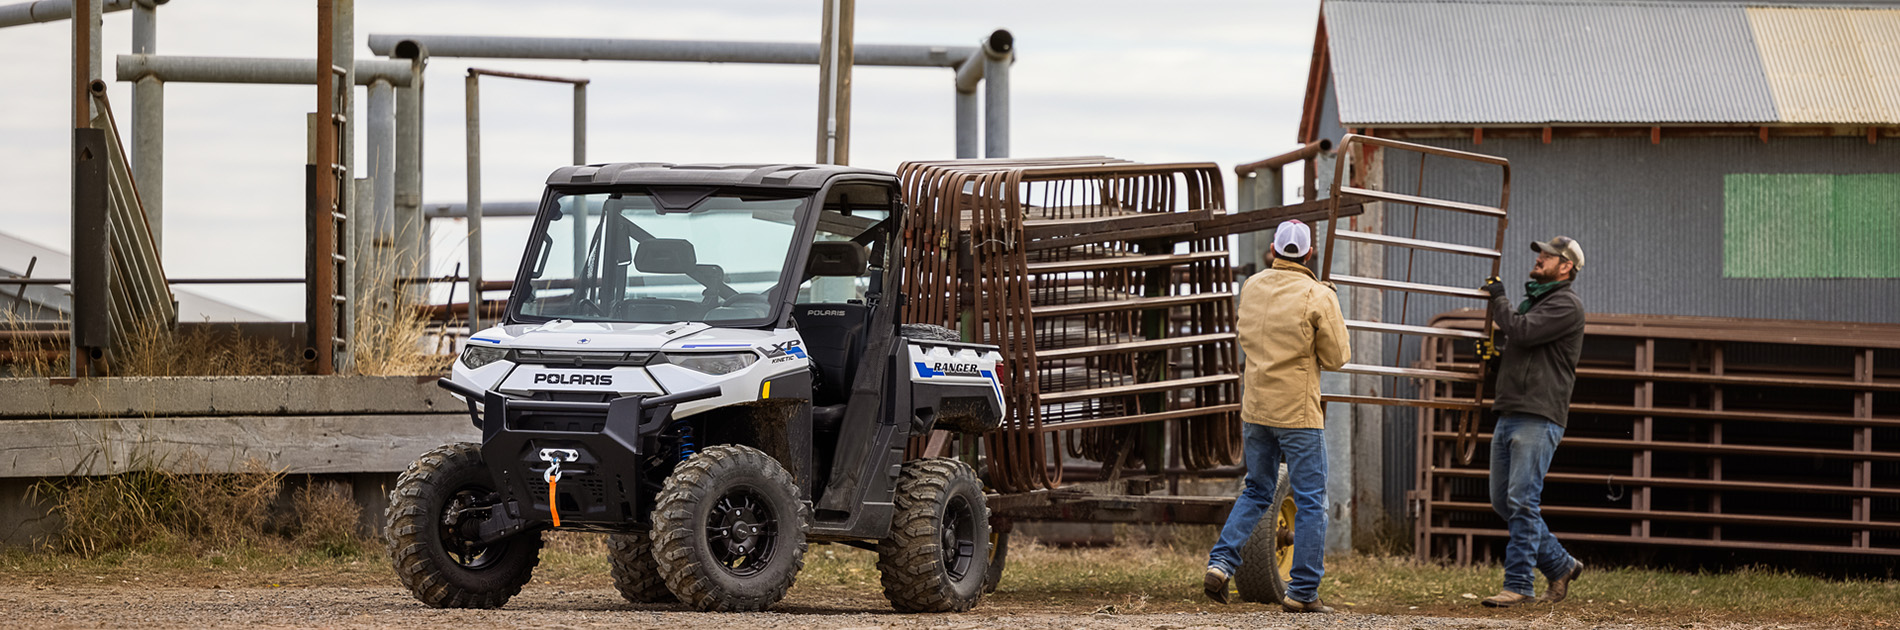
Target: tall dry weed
x=156, y=507
x=391, y=335
x=27, y=353
x=326, y=520
x=157, y=349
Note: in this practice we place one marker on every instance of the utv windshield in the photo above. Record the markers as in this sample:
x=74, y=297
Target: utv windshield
x=659, y=255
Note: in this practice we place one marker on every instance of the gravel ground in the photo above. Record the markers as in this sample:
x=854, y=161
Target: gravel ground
x=136, y=606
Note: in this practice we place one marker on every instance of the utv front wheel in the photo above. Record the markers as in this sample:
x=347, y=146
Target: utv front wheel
x=937, y=556
x=636, y=575
x=729, y=530
x=431, y=521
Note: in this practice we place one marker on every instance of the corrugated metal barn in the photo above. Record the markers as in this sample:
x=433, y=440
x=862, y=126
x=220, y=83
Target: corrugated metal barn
x=1715, y=159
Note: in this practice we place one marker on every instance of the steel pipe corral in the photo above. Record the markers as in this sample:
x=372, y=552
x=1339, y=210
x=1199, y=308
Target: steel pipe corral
x=999, y=45
x=495, y=209
x=55, y=10
x=148, y=125
x=1311, y=150
x=663, y=50
x=261, y=70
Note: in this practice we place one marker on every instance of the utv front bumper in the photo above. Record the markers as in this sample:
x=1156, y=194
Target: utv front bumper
x=601, y=444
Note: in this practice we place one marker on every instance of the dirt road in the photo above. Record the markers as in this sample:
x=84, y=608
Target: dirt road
x=141, y=605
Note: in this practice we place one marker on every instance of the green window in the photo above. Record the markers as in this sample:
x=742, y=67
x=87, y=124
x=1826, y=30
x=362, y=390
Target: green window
x=1811, y=226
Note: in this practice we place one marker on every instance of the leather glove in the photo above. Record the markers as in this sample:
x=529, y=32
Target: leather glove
x=1494, y=286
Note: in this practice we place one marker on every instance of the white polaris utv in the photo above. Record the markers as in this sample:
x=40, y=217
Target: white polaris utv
x=706, y=363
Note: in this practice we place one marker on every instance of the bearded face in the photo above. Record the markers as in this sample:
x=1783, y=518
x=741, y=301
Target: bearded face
x=1550, y=268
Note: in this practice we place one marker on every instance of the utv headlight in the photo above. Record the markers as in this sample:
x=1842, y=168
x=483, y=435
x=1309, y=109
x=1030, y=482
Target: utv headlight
x=475, y=356
x=714, y=364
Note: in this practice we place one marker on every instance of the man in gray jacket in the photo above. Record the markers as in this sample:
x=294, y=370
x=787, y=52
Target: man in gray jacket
x=1542, y=338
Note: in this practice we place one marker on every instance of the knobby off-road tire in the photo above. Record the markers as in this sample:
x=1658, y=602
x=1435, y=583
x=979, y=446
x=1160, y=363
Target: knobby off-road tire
x=636, y=574
x=937, y=556
x=729, y=530
x=431, y=555
x=1267, y=558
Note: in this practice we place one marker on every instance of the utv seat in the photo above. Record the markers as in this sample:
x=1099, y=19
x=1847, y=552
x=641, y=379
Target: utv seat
x=835, y=335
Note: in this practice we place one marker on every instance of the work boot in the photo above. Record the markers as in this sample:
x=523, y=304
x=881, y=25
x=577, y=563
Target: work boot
x=1560, y=587
x=1296, y=606
x=1215, y=584
x=1507, y=599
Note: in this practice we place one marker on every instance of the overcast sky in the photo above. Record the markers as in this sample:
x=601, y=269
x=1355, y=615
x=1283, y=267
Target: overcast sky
x=1215, y=80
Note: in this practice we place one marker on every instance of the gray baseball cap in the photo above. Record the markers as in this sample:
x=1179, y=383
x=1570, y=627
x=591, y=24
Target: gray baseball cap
x=1562, y=247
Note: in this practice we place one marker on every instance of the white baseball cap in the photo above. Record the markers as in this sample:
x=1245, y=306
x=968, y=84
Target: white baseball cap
x=1292, y=239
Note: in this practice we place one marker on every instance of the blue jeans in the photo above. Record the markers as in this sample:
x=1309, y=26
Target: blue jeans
x=1521, y=447
x=1305, y=453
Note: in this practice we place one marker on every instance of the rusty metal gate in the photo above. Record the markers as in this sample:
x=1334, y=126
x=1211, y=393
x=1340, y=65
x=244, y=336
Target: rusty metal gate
x=1360, y=148
x=1109, y=287
x=1693, y=433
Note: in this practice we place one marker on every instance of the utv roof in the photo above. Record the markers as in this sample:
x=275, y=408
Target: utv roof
x=772, y=175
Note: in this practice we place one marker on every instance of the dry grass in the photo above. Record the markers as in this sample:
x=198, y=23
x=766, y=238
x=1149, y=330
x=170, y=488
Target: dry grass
x=391, y=335
x=1155, y=570
x=326, y=520
x=156, y=349
x=31, y=356
x=158, y=510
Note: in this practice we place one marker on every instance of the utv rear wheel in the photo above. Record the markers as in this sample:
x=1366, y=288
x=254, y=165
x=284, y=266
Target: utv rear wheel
x=1266, y=560
x=729, y=530
x=636, y=575
x=937, y=556
x=431, y=521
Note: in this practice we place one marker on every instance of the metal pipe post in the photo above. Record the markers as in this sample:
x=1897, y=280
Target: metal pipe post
x=664, y=50
x=998, y=54
x=377, y=244
x=970, y=74
x=148, y=125
x=320, y=232
x=968, y=144
x=411, y=251
x=580, y=123
x=253, y=70
x=834, y=83
x=474, y=201
x=56, y=10
x=579, y=218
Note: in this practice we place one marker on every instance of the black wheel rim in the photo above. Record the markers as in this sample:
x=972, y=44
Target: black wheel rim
x=742, y=532
x=959, y=538
x=459, y=513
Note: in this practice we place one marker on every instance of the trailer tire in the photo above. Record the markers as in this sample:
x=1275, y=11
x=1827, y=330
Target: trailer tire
x=720, y=491
x=636, y=574
x=999, y=557
x=430, y=555
x=936, y=558
x=1267, y=559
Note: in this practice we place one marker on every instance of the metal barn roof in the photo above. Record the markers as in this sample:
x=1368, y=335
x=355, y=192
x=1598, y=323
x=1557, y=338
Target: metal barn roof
x=1421, y=62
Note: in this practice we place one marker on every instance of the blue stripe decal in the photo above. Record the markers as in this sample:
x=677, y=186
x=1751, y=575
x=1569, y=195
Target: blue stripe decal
x=994, y=384
x=484, y=339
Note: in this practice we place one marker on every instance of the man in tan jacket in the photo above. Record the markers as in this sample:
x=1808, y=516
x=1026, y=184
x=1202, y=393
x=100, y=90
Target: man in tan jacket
x=1290, y=329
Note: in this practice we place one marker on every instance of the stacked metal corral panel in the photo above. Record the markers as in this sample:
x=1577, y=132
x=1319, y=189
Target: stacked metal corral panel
x=1696, y=434
x=1114, y=310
